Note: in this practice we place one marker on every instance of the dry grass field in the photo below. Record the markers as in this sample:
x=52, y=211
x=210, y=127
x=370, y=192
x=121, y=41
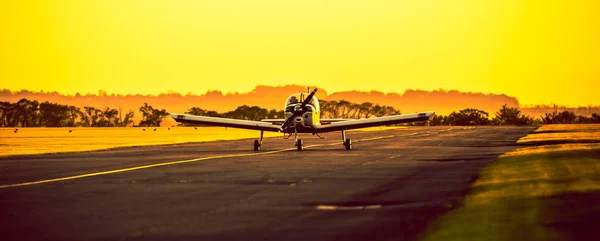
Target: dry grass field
x=28, y=141
x=547, y=190
x=59, y=140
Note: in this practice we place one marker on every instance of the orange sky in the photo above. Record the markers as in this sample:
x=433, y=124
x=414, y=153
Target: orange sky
x=539, y=51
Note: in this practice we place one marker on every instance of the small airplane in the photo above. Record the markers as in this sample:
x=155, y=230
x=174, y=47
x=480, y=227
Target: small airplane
x=302, y=115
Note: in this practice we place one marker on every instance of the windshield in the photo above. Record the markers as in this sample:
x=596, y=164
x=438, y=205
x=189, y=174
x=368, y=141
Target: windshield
x=296, y=99
x=292, y=108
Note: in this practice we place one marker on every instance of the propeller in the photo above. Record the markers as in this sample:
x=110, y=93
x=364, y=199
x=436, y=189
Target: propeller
x=300, y=110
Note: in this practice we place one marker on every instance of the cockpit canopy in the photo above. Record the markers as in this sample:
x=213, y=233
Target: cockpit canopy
x=297, y=98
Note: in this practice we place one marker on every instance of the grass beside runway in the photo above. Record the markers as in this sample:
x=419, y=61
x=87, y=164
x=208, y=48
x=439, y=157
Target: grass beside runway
x=35, y=141
x=549, y=190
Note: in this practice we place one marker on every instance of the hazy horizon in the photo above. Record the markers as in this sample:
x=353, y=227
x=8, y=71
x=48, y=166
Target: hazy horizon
x=272, y=97
x=291, y=88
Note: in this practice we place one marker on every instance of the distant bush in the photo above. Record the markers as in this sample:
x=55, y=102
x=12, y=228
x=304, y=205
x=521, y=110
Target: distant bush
x=511, y=116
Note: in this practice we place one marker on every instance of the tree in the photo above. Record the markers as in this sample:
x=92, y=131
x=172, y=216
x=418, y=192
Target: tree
x=52, y=115
x=127, y=120
x=245, y=112
x=438, y=120
x=343, y=108
x=72, y=114
x=595, y=118
x=467, y=117
x=151, y=116
x=196, y=111
x=108, y=118
x=6, y=113
x=365, y=109
x=275, y=114
x=26, y=112
x=93, y=116
x=355, y=110
x=511, y=116
x=565, y=117
x=378, y=110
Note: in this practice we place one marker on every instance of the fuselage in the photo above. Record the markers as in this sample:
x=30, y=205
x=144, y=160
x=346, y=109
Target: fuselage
x=305, y=122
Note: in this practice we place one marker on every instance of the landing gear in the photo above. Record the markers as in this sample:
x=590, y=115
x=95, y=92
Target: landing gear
x=348, y=144
x=299, y=144
x=258, y=143
x=346, y=141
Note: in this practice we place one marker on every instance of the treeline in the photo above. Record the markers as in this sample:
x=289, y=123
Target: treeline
x=508, y=116
x=329, y=109
x=243, y=112
x=31, y=113
x=346, y=109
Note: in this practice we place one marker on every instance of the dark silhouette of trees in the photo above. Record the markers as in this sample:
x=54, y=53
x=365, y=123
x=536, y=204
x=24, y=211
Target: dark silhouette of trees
x=6, y=114
x=54, y=115
x=565, y=117
x=439, y=120
x=568, y=117
x=511, y=116
x=276, y=114
x=109, y=118
x=28, y=113
x=469, y=117
x=125, y=121
x=151, y=116
x=365, y=109
x=243, y=112
x=346, y=109
x=92, y=116
x=595, y=118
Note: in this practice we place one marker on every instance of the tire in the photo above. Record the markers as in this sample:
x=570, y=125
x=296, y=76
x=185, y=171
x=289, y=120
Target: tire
x=256, y=145
x=300, y=145
x=348, y=144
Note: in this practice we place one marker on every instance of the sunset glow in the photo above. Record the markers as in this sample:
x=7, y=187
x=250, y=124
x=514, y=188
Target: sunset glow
x=541, y=52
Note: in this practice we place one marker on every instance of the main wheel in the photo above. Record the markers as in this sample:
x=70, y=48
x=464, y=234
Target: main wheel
x=348, y=144
x=256, y=145
x=299, y=145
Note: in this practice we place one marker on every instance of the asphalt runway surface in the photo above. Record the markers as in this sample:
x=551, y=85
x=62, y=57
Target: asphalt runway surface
x=389, y=187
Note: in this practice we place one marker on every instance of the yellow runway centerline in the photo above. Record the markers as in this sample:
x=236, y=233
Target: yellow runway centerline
x=172, y=163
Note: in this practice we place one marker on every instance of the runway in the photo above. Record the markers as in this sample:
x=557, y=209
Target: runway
x=390, y=187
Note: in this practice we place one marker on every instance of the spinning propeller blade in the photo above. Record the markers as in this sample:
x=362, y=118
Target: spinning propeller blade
x=300, y=110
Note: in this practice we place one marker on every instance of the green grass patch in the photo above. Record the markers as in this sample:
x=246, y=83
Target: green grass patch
x=546, y=192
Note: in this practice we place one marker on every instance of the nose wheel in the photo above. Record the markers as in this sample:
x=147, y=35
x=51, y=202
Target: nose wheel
x=299, y=145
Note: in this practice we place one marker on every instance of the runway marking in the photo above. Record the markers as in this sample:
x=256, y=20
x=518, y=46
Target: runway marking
x=333, y=207
x=330, y=207
x=177, y=162
x=139, y=167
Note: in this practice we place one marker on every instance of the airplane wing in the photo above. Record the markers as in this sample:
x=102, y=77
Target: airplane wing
x=226, y=122
x=376, y=121
x=323, y=121
x=274, y=121
x=329, y=121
